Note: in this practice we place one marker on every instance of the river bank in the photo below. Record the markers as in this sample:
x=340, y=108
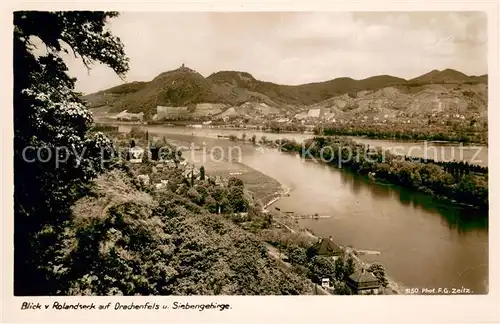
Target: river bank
x=310, y=132
x=455, y=182
x=284, y=191
x=393, y=286
x=367, y=214
x=269, y=191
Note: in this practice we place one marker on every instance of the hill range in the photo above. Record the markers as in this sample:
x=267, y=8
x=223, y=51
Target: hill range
x=239, y=93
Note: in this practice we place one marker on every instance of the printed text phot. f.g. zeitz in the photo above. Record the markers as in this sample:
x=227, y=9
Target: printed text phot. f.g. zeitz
x=250, y=153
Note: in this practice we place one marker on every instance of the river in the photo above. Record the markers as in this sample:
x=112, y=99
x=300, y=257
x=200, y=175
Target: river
x=439, y=151
x=424, y=243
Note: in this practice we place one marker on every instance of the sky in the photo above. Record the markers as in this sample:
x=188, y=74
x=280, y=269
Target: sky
x=293, y=47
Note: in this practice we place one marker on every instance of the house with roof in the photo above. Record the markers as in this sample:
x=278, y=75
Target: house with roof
x=363, y=282
x=326, y=247
x=135, y=154
x=314, y=113
x=126, y=116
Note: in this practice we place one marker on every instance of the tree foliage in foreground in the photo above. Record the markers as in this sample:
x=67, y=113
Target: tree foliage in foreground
x=50, y=118
x=125, y=241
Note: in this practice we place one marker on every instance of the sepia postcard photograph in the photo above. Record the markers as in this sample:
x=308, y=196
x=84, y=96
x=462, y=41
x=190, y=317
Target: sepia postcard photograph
x=258, y=153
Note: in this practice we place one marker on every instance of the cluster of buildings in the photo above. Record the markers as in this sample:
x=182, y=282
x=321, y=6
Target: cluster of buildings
x=261, y=117
x=135, y=156
x=360, y=282
x=194, y=110
x=315, y=113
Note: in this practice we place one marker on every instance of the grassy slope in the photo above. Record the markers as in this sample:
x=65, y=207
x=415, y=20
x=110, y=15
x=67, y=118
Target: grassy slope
x=124, y=240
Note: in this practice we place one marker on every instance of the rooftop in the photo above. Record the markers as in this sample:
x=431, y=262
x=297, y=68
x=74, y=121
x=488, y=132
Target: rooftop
x=363, y=277
x=326, y=246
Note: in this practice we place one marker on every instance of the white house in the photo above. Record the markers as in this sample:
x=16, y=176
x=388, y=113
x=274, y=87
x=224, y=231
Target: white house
x=135, y=154
x=315, y=113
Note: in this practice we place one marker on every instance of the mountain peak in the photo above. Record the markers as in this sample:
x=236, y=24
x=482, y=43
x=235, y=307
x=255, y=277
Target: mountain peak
x=184, y=68
x=182, y=71
x=229, y=76
x=184, y=86
x=443, y=76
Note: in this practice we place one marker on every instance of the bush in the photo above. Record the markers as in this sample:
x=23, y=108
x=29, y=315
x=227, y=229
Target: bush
x=378, y=271
x=321, y=267
x=137, y=133
x=127, y=243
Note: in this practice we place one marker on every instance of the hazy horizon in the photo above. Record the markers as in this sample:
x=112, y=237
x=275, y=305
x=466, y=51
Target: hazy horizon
x=294, y=47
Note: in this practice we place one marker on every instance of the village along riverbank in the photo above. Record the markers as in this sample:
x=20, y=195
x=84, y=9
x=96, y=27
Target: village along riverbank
x=423, y=241
x=241, y=209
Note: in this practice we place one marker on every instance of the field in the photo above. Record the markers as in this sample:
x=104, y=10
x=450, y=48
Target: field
x=261, y=186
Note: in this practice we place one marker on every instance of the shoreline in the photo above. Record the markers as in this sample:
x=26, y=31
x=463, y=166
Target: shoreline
x=284, y=191
x=382, y=181
x=421, y=188
x=184, y=125
x=395, y=287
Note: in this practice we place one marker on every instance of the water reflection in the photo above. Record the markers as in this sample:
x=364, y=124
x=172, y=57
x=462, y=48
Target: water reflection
x=405, y=198
x=460, y=218
x=344, y=178
x=356, y=185
x=464, y=220
x=380, y=191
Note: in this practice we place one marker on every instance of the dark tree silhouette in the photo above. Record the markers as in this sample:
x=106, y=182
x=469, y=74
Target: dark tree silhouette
x=202, y=173
x=49, y=114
